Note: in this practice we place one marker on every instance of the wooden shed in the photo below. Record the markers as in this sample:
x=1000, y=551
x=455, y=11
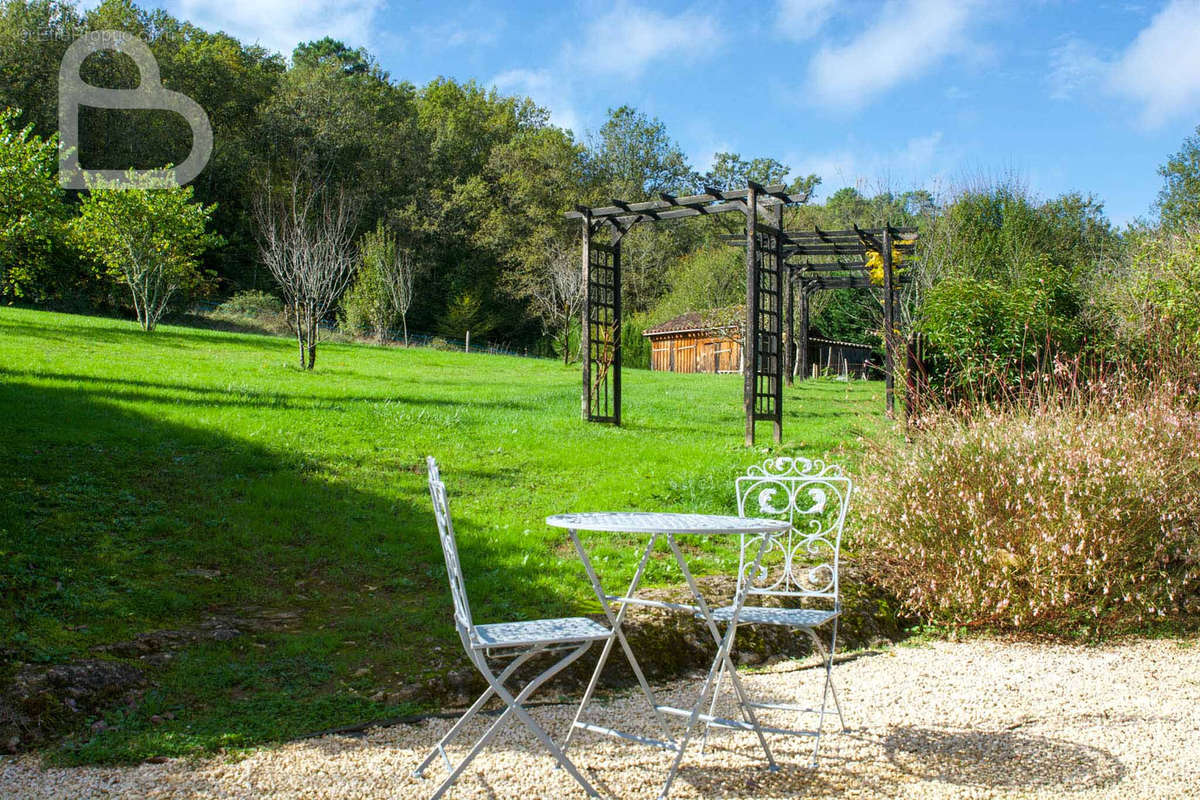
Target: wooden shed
x=834, y=357
x=698, y=341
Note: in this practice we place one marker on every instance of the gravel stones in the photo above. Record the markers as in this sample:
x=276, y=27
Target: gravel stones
x=977, y=719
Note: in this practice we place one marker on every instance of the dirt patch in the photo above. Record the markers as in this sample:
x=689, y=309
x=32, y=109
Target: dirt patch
x=40, y=702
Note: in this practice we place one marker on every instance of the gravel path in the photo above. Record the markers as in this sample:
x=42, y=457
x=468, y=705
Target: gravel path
x=978, y=719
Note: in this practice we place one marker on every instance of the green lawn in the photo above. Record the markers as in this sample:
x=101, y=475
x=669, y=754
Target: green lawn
x=134, y=465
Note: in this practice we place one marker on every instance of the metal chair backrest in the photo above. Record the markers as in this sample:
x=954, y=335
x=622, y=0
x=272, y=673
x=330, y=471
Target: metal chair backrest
x=458, y=588
x=814, y=497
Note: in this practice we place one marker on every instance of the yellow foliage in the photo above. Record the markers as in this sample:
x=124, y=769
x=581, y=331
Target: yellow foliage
x=875, y=261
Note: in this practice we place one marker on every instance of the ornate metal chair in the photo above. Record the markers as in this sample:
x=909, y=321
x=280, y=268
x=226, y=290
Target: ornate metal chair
x=801, y=568
x=519, y=641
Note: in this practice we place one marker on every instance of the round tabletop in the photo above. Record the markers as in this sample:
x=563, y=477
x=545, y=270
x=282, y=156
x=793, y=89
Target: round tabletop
x=654, y=522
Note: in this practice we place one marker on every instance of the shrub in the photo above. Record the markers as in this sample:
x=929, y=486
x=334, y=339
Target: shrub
x=251, y=304
x=1046, y=519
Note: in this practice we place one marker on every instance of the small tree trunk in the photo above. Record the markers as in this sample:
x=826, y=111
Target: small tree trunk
x=301, y=327
x=404, y=323
x=566, y=345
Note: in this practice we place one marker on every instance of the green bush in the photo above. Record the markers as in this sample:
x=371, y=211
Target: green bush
x=1050, y=520
x=251, y=304
x=1007, y=281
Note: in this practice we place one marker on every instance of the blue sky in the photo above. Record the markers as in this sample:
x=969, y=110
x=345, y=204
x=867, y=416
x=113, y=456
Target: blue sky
x=1067, y=96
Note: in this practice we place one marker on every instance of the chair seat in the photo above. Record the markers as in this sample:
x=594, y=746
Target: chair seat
x=791, y=617
x=539, y=631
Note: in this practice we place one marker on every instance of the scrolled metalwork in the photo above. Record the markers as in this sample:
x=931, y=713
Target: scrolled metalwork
x=814, y=497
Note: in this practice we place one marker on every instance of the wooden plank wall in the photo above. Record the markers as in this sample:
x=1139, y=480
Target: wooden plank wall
x=695, y=353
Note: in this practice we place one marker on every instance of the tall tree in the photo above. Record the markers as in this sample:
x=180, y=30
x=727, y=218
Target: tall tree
x=1179, y=198
x=31, y=208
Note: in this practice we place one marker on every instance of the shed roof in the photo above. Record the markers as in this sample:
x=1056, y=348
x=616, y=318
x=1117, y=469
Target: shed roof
x=711, y=321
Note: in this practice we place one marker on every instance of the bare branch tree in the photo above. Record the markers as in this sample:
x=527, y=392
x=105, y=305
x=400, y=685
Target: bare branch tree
x=307, y=244
x=399, y=273
x=556, y=291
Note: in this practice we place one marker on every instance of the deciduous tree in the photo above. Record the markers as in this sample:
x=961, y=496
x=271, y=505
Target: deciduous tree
x=147, y=233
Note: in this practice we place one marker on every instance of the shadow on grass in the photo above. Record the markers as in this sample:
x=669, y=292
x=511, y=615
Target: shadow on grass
x=112, y=523
x=156, y=391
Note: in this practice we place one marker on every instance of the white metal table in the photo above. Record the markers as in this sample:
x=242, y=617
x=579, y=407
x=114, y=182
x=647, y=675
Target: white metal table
x=667, y=526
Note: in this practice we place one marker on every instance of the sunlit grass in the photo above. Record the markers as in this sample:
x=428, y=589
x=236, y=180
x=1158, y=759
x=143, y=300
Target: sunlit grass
x=130, y=461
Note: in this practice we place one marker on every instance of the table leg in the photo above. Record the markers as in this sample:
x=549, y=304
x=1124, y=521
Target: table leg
x=615, y=621
x=725, y=644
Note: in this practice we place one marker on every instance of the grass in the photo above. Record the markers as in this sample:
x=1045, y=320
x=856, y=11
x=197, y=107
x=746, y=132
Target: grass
x=135, y=467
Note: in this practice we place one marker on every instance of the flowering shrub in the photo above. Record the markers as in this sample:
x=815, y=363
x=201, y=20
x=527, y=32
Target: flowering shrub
x=1042, y=519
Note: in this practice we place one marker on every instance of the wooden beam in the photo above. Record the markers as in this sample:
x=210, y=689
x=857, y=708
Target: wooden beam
x=802, y=344
x=663, y=204
x=780, y=342
x=585, y=327
x=750, y=335
x=889, y=321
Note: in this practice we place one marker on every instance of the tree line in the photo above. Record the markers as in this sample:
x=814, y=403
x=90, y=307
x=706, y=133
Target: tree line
x=440, y=208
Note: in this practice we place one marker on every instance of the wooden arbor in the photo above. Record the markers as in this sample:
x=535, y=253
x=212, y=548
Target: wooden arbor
x=763, y=352
x=820, y=259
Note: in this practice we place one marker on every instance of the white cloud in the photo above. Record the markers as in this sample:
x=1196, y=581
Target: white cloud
x=546, y=90
x=908, y=38
x=282, y=24
x=1161, y=68
x=800, y=20
x=628, y=39
x=1073, y=67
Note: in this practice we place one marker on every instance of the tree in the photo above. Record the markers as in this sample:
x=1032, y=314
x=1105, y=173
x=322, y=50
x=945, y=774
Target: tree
x=307, y=233
x=31, y=208
x=147, y=233
x=399, y=276
x=383, y=289
x=555, y=291
x=1179, y=199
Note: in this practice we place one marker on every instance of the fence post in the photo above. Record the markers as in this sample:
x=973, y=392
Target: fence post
x=467, y=344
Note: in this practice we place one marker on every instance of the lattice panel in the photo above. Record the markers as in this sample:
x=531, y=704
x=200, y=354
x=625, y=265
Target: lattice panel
x=604, y=333
x=768, y=328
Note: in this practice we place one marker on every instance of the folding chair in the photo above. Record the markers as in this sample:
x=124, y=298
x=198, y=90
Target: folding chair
x=801, y=566
x=519, y=641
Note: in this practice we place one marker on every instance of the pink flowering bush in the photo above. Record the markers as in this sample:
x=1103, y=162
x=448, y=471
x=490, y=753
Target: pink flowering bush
x=1044, y=518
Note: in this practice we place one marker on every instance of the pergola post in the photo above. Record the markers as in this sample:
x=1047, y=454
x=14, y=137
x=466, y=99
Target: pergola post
x=617, y=325
x=802, y=341
x=750, y=337
x=779, y=344
x=789, y=348
x=585, y=332
x=889, y=323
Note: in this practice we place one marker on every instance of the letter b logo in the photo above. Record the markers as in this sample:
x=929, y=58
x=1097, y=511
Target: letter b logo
x=149, y=94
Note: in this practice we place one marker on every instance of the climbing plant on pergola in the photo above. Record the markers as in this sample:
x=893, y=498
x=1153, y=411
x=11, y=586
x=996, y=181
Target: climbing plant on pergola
x=763, y=357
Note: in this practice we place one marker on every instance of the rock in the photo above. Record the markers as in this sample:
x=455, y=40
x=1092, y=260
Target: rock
x=225, y=634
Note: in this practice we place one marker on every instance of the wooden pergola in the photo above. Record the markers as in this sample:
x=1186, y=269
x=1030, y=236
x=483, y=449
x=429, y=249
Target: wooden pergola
x=820, y=259
x=603, y=229
x=777, y=262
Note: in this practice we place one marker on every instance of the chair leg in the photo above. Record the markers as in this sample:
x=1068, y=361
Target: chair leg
x=828, y=688
x=515, y=705
x=468, y=716
x=496, y=686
